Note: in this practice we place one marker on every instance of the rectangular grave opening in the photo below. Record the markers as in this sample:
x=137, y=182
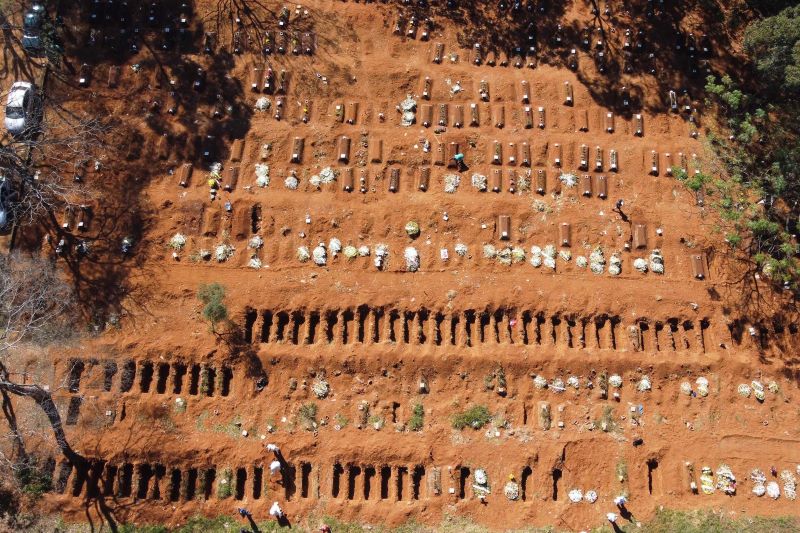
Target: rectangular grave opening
x=191, y=484
x=416, y=481
x=386, y=475
x=266, y=325
x=109, y=370
x=280, y=328
x=241, y=482
x=76, y=368
x=352, y=478
x=255, y=218
x=363, y=313
x=313, y=322
x=347, y=329
x=369, y=475
x=208, y=483
x=64, y=471
x=402, y=473
x=125, y=480
x=289, y=476
x=523, y=482
x=250, y=316
x=463, y=476
x=194, y=380
x=74, y=410
x=175, y=485
x=225, y=382
x=483, y=328
x=556, y=477
x=79, y=480
x=337, y=479
x=163, y=376
x=652, y=465
x=159, y=471
x=178, y=371
x=146, y=375
x=258, y=481
x=298, y=319
x=108, y=480
x=469, y=321
x=305, y=479
x=423, y=316
x=210, y=380
x=145, y=473
x=331, y=318
x=128, y=376
x=437, y=337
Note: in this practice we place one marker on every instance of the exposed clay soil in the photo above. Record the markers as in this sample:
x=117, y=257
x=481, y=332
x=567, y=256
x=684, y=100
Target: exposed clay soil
x=376, y=334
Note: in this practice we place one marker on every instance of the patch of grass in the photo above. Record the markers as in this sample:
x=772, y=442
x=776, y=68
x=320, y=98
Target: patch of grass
x=622, y=471
x=475, y=417
x=606, y=423
x=232, y=428
x=308, y=416
x=225, y=484
x=200, y=423
x=341, y=420
x=417, y=420
x=376, y=421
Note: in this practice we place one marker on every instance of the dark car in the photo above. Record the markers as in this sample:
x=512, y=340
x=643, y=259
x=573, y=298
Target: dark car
x=32, y=28
x=7, y=199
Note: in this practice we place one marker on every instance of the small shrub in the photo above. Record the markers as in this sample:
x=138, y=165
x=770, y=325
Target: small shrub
x=417, y=420
x=214, y=311
x=32, y=479
x=341, y=420
x=475, y=417
x=308, y=416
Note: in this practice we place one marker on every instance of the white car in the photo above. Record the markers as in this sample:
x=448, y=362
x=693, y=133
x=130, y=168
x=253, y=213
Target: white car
x=20, y=108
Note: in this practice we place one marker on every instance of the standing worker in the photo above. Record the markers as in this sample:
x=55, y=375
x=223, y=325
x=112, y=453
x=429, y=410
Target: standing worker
x=276, y=511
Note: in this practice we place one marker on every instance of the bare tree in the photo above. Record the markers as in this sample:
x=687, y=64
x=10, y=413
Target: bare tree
x=34, y=301
x=45, y=167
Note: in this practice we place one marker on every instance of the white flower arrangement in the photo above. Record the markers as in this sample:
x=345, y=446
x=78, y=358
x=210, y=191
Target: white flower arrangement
x=320, y=255
x=177, y=242
x=223, y=251
x=412, y=259
x=262, y=175
x=569, y=179
x=255, y=242
x=451, y=183
x=479, y=181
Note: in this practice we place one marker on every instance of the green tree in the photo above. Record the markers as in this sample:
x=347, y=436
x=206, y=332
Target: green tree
x=214, y=310
x=772, y=44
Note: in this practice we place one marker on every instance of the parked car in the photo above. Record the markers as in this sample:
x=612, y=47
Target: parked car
x=21, y=109
x=7, y=198
x=32, y=28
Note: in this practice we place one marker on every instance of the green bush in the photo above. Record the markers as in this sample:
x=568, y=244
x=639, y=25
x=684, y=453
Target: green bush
x=475, y=417
x=308, y=415
x=214, y=311
x=417, y=420
x=32, y=479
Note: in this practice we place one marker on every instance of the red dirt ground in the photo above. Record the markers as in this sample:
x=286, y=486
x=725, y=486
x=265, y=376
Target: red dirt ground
x=375, y=334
